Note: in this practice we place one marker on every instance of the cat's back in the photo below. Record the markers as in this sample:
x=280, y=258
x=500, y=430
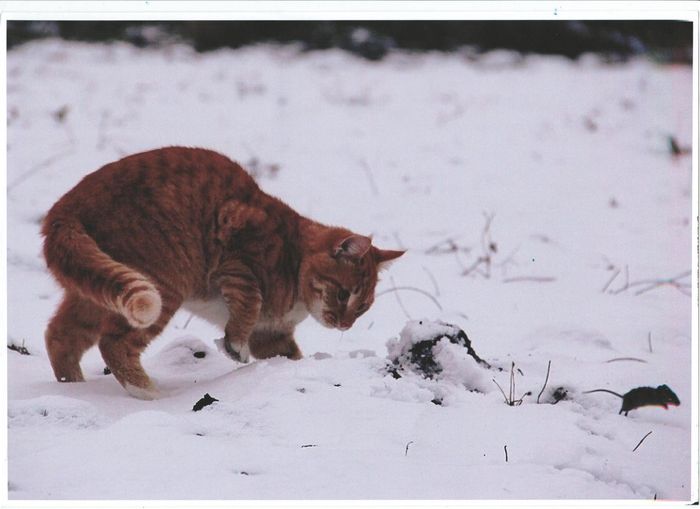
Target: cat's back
x=179, y=178
x=155, y=211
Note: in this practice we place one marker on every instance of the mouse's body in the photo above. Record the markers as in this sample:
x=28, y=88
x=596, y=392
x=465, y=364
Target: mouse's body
x=645, y=396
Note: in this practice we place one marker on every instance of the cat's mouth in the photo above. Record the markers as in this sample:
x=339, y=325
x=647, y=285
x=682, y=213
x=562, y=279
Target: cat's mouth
x=331, y=321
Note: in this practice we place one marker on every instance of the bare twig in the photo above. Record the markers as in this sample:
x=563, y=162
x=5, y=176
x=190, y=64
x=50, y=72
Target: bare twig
x=505, y=448
x=614, y=276
x=412, y=289
x=482, y=264
x=459, y=262
x=510, y=399
x=487, y=244
x=370, y=177
x=649, y=341
x=508, y=260
x=398, y=240
x=640, y=442
x=682, y=275
x=459, y=313
x=627, y=359
x=19, y=349
x=651, y=284
x=627, y=282
x=512, y=383
x=39, y=167
x=681, y=287
x=408, y=444
x=438, y=248
x=398, y=299
x=187, y=322
x=536, y=279
x=500, y=389
x=474, y=267
x=549, y=364
x=432, y=278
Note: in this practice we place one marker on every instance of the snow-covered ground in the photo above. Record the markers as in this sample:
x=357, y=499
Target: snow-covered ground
x=557, y=172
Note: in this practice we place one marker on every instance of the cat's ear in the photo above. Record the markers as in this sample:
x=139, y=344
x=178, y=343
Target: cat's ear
x=353, y=247
x=385, y=257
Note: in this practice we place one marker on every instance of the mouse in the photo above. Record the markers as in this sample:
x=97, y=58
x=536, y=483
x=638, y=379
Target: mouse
x=644, y=396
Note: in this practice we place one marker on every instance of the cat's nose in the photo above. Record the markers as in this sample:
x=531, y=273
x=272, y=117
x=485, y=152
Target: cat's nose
x=344, y=325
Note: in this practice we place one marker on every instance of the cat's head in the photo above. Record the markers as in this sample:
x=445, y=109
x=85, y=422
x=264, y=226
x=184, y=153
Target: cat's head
x=337, y=279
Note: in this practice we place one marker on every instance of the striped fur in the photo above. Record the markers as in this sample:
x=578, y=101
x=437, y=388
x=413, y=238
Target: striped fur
x=141, y=237
x=78, y=263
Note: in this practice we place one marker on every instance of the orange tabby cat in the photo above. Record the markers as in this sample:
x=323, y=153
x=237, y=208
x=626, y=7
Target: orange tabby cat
x=143, y=236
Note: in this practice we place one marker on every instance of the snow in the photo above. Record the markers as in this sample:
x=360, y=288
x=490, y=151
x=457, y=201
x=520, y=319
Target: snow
x=567, y=160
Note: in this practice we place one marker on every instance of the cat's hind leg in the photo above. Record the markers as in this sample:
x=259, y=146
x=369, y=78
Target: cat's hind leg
x=121, y=346
x=71, y=332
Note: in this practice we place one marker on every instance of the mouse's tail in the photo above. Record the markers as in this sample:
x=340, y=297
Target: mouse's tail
x=604, y=390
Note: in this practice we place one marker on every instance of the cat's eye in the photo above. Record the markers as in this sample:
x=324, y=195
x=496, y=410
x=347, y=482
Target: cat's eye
x=343, y=295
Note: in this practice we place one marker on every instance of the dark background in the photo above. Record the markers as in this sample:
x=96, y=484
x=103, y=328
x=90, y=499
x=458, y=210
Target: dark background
x=663, y=41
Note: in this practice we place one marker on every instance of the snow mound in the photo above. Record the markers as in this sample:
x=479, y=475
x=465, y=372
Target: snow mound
x=439, y=351
x=184, y=351
x=59, y=411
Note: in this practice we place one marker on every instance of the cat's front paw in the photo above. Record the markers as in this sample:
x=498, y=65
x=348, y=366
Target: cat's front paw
x=148, y=393
x=237, y=351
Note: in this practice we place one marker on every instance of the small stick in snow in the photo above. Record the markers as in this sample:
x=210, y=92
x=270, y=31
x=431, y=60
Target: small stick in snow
x=635, y=359
x=413, y=289
x=438, y=249
x=505, y=448
x=370, y=177
x=614, y=276
x=509, y=260
x=488, y=248
x=642, y=440
x=474, y=267
x=510, y=400
x=187, y=322
x=499, y=388
x=512, y=383
x=432, y=278
x=627, y=282
x=536, y=279
x=407, y=445
x=681, y=287
x=398, y=240
x=459, y=262
x=651, y=284
x=398, y=299
x=549, y=364
x=46, y=163
x=19, y=349
x=649, y=341
x=487, y=243
x=459, y=313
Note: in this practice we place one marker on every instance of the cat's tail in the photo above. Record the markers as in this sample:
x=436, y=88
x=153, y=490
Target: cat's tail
x=77, y=262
